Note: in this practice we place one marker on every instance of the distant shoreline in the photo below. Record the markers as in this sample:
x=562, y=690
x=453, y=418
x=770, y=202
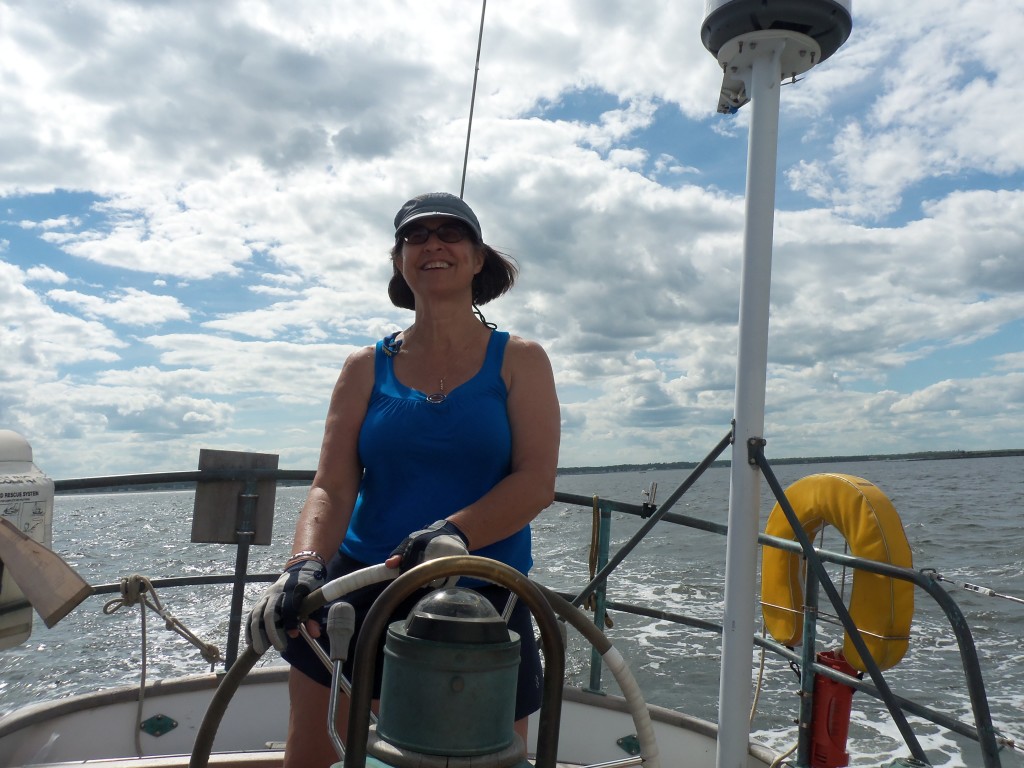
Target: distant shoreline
x=917, y=456
x=173, y=485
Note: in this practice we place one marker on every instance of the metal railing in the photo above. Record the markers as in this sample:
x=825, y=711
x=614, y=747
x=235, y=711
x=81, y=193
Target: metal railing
x=982, y=731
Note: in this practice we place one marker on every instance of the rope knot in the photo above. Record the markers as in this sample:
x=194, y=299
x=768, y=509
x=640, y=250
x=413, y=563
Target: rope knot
x=133, y=592
x=133, y=588
x=210, y=653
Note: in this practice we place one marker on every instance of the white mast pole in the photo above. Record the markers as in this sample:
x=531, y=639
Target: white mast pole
x=762, y=81
x=756, y=46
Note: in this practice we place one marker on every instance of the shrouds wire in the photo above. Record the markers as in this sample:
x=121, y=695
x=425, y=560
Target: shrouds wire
x=472, y=98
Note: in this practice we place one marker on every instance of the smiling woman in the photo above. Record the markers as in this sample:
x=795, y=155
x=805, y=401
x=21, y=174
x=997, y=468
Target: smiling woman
x=453, y=218
x=446, y=430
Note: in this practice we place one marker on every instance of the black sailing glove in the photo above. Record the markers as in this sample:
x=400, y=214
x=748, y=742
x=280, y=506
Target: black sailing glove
x=278, y=609
x=439, y=539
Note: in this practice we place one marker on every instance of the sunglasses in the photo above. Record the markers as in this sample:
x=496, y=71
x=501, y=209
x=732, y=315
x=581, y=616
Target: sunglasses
x=449, y=232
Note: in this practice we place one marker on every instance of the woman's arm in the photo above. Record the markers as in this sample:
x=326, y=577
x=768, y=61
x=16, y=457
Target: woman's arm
x=536, y=426
x=325, y=516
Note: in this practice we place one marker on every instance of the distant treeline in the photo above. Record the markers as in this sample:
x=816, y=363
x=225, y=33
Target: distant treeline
x=919, y=456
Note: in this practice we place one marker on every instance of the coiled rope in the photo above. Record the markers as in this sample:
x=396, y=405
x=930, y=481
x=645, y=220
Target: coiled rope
x=134, y=591
x=590, y=603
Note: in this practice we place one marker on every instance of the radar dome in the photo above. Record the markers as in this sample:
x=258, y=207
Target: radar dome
x=827, y=22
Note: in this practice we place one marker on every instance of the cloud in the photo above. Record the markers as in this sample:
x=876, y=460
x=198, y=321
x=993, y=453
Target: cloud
x=199, y=199
x=947, y=81
x=61, y=222
x=45, y=275
x=130, y=307
x=38, y=342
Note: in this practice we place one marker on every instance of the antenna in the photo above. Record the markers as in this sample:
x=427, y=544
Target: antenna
x=472, y=98
x=812, y=30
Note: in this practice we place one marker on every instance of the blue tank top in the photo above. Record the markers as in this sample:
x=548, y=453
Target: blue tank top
x=423, y=461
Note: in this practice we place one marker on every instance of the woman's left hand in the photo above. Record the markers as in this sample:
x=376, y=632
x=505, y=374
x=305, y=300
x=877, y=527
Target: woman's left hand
x=440, y=539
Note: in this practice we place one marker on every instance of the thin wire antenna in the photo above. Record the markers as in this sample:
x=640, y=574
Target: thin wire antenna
x=472, y=99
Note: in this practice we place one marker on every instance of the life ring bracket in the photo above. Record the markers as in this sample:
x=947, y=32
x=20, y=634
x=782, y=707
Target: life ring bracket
x=822, y=616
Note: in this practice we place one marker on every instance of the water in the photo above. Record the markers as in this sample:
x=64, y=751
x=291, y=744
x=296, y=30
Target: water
x=962, y=517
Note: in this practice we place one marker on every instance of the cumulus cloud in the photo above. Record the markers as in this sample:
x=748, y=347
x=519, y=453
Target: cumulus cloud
x=45, y=275
x=947, y=90
x=129, y=307
x=199, y=197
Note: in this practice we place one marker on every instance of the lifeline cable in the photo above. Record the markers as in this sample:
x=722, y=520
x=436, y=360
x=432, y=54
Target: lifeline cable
x=969, y=587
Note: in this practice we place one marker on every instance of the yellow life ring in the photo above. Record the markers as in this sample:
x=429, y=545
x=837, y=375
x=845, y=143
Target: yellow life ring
x=881, y=607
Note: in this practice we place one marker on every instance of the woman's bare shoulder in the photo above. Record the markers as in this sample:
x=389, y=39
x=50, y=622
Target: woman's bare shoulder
x=361, y=357
x=526, y=355
x=357, y=370
x=520, y=346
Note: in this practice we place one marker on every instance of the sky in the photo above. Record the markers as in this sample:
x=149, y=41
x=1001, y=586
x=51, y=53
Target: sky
x=196, y=205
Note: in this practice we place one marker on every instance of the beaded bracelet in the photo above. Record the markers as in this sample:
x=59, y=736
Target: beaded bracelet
x=306, y=554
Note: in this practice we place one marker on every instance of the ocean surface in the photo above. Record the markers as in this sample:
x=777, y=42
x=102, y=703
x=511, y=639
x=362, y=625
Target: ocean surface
x=964, y=518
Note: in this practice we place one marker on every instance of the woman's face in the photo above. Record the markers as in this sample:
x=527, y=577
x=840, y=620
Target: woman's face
x=436, y=266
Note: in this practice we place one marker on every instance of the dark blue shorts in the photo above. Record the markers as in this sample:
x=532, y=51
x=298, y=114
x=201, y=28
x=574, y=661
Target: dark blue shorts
x=530, y=681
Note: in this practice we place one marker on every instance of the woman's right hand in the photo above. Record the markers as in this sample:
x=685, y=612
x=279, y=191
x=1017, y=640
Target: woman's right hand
x=276, y=615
